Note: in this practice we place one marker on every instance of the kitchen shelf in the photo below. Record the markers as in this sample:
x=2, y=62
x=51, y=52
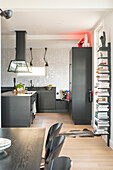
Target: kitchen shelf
x=103, y=58
x=100, y=119
x=102, y=111
x=98, y=134
x=102, y=96
x=103, y=65
x=104, y=80
x=103, y=103
x=103, y=88
x=105, y=126
x=103, y=119
x=103, y=73
x=106, y=114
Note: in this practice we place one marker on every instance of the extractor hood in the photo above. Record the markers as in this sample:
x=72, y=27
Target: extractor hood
x=19, y=65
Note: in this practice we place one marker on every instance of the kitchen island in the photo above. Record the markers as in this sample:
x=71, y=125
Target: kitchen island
x=17, y=109
x=46, y=99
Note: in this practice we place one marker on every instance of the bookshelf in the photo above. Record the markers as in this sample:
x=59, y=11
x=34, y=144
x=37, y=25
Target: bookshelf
x=103, y=92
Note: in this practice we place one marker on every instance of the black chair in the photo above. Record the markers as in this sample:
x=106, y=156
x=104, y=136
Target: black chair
x=53, y=150
x=60, y=163
x=53, y=132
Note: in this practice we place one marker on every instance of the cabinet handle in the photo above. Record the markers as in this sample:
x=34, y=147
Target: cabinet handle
x=90, y=96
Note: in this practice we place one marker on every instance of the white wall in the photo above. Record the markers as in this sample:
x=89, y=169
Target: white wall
x=92, y=121
x=57, y=4
x=57, y=72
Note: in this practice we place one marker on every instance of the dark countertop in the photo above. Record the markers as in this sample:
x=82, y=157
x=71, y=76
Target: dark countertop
x=26, y=148
x=4, y=89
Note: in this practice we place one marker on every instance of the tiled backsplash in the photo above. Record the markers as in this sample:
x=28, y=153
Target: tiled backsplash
x=57, y=72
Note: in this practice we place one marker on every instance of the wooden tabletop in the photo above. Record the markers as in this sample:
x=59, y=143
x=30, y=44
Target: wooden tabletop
x=26, y=148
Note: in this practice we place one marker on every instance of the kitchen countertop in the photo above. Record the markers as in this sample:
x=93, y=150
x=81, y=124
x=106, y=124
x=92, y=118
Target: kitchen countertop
x=10, y=93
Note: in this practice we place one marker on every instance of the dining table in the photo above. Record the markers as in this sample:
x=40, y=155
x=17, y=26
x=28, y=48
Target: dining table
x=26, y=148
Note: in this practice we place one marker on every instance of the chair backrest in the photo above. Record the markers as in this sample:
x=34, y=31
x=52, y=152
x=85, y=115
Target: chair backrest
x=60, y=163
x=54, y=148
x=53, y=132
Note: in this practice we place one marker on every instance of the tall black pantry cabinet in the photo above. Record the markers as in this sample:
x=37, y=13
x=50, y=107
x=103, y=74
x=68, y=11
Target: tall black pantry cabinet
x=80, y=85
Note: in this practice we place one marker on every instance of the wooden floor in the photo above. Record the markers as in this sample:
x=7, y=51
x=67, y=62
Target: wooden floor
x=86, y=153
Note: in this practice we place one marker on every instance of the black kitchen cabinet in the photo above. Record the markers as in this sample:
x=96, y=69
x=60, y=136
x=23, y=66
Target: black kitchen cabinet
x=46, y=101
x=80, y=84
x=17, y=110
x=62, y=106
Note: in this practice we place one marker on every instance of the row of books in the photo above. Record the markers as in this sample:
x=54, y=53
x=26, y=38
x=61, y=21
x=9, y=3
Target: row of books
x=101, y=115
x=98, y=131
x=102, y=123
x=102, y=85
x=101, y=108
x=102, y=100
x=103, y=77
x=102, y=68
x=102, y=92
x=104, y=63
x=102, y=71
x=101, y=130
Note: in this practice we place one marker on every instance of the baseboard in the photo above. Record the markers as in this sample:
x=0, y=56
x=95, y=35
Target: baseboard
x=54, y=111
x=111, y=144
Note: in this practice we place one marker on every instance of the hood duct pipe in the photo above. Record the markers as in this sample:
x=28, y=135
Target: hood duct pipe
x=19, y=65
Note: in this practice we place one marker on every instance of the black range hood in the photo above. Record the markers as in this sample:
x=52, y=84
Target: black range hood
x=19, y=65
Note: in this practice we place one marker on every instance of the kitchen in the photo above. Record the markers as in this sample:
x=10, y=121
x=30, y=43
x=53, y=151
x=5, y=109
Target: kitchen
x=46, y=99
x=57, y=56
x=49, y=99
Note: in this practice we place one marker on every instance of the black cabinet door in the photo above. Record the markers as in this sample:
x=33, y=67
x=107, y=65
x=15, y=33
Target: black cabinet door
x=81, y=84
x=47, y=100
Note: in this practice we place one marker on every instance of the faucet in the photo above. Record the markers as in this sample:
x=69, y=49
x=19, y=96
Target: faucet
x=31, y=83
x=14, y=80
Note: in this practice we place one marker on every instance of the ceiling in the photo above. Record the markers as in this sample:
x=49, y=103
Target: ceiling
x=54, y=22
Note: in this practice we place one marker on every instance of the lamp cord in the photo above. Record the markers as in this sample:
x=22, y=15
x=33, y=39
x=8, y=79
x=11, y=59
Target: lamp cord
x=45, y=55
x=31, y=57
